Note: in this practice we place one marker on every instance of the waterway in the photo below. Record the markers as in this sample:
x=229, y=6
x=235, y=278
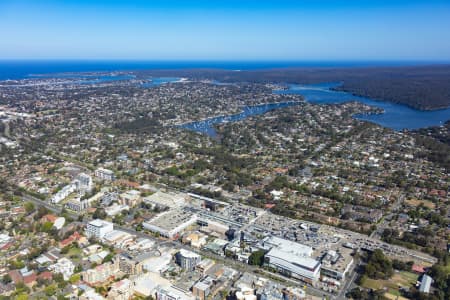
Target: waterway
x=395, y=116
x=207, y=126
x=159, y=80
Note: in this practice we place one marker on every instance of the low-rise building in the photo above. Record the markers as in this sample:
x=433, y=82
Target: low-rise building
x=77, y=204
x=108, y=198
x=130, y=265
x=361, y=213
x=115, y=209
x=170, y=293
x=203, y=288
x=64, y=266
x=425, y=284
x=217, y=246
x=121, y=290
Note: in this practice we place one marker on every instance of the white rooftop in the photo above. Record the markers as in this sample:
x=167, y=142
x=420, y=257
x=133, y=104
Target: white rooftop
x=99, y=223
x=294, y=258
x=187, y=253
x=287, y=246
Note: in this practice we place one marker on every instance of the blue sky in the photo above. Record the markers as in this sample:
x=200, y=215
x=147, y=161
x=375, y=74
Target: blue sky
x=225, y=30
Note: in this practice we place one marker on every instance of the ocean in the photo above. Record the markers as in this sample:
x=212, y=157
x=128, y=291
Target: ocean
x=19, y=69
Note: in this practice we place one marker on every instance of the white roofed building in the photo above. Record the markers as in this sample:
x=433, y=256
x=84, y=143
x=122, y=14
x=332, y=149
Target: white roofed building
x=291, y=259
x=98, y=228
x=170, y=223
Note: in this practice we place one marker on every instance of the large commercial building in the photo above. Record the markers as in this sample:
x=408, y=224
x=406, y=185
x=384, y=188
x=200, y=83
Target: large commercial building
x=170, y=223
x=291, y=259
x=98, y=228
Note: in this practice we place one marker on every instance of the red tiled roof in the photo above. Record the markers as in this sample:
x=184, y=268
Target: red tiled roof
x=49, y=218
x=6, y=246
x=15, y=276
x=74, y=237
x=418, y=268
x=128, y=183
x=30, y=278
x=46, y=275
x=281, y=170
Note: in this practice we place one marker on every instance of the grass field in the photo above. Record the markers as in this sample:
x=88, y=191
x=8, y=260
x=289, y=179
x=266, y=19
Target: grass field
x=392, y=285
x=75, y=254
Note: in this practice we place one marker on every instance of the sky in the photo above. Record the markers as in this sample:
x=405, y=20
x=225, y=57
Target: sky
x=225, y=30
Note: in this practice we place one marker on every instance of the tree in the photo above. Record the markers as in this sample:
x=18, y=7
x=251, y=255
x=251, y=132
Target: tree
x=108, y=258
x=17, y=264
x=42, y=211
x=66, y=249
x=256, y=258
x=58, y=278
x=357, y=294
x=50, y=290
x=29, y=207
x=6, y=279
x=78, y=269
x=99, y=213
x=47, y=227
x=379, y=266
x=74, y=278
x=22, y=297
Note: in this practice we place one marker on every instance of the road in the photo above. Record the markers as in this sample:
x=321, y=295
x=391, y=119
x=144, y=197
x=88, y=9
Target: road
x=387, y=218
x=349, y=282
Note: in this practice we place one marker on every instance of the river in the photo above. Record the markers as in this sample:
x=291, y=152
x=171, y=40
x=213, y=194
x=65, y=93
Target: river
x=395, y=116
